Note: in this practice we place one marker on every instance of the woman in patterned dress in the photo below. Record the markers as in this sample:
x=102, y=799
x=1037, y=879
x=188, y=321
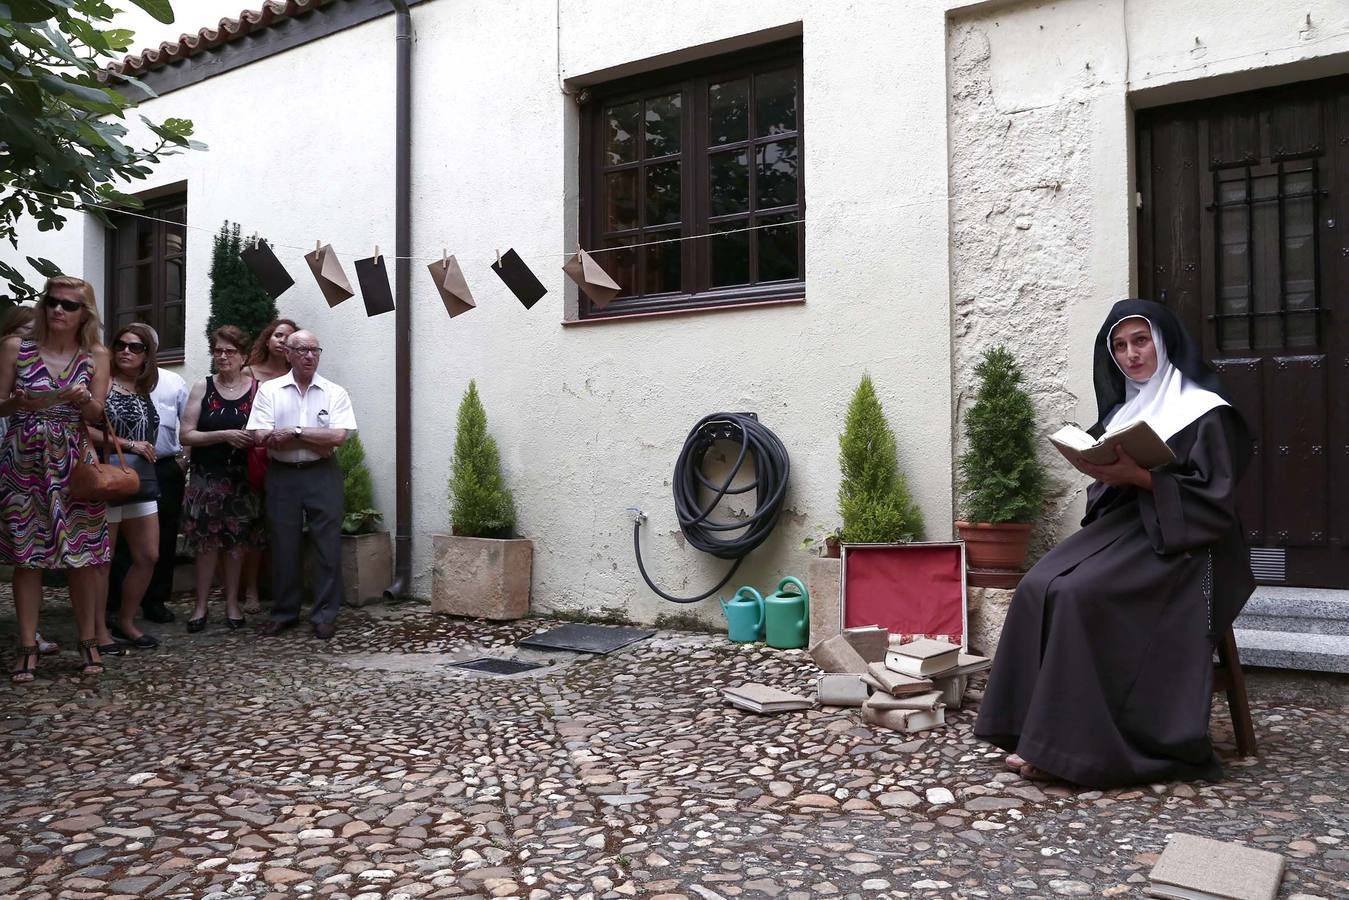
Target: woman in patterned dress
x=267, y=360
x=135, y=421
x=53, y=385
x=221, y=510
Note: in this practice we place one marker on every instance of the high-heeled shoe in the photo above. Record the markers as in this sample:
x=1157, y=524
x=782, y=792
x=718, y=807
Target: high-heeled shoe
x=195, y=625
x=91, y=666
x=26, y=672
x=111, y=650
x=234, y=624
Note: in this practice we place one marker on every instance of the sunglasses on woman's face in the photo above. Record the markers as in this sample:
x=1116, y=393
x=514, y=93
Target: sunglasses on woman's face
x=67, y=305
x=134, y=346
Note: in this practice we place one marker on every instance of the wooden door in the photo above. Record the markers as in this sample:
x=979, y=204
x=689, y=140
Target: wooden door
x=1243, y=230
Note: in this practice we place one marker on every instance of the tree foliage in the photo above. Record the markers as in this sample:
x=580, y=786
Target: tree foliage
x=359, y=515
x=480, y=503
x=873, y=498
x=62, y=135
x=237, y=298
x=1001, y=477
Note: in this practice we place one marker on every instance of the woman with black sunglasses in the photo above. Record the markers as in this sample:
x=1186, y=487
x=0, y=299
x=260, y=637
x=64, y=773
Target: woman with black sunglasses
x=53, y=384
x=134, y=419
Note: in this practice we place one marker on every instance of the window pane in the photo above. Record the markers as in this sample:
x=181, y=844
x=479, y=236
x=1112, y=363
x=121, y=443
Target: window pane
x=144, y=295
x=730, y=255
x=175, y=237
x=621, y=265
x=1299, y=259
x=620, y=123
x=728, y=174
x=778, y=256
x=175, y=279
x=728, y=112
x=620, y=208
x=126, y=318
x=662, y=263
x=662, y=194
x=1234, y=292
x=775, y=102
x=775, y=174
x=145, y=239
x=171, y=331
x=663, y=120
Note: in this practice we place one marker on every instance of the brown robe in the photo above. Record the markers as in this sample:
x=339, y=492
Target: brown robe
x=1104, y=670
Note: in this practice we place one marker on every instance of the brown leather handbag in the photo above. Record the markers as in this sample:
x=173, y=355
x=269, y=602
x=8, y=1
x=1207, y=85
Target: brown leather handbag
x=96, y=482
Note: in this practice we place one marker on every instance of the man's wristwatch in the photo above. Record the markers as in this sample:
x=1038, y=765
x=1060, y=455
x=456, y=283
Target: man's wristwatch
x=299, y=432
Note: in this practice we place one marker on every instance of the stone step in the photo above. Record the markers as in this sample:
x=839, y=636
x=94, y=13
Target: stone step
x=1293, y=650
x=1301, y=610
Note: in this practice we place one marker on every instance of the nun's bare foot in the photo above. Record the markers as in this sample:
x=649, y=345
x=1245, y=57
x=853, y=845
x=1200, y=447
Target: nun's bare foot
x=1032, y=773
x=1015, y=763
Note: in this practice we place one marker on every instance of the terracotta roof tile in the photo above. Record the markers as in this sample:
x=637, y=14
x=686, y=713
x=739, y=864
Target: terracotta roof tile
x=249, y=21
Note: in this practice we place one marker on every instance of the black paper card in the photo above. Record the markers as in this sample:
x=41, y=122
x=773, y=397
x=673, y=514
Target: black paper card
x=262, y=262
x=373, y=276
x=513, y=271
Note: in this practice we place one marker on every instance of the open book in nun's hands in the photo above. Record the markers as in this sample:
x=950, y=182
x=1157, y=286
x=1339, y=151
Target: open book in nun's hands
x=1137, y=438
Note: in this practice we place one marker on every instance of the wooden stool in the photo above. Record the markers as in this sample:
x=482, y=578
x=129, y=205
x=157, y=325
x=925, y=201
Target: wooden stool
x=1228, y=678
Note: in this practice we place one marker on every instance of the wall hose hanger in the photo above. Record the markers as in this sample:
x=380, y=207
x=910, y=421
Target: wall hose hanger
x=771, y=467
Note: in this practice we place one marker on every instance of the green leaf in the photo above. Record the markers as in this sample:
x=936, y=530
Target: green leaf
x=160, y=10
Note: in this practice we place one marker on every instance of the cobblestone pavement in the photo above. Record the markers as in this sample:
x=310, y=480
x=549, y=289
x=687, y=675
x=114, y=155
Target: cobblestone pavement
x=223, y=765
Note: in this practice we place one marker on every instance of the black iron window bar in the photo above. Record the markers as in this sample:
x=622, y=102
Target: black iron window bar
x=1249, y=201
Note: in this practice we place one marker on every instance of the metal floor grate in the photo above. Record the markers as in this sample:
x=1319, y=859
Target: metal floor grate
x=493, y=666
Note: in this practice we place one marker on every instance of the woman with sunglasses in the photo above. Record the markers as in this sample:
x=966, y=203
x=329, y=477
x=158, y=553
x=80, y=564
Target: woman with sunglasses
x=266, y=361
x=221, y=510
x=133, y=417
x=53, y=384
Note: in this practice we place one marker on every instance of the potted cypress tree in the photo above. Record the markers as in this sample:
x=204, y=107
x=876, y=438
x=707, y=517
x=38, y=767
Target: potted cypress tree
x=873, y=497
x=480, y=569
x=1001, y=479
x=367, y=549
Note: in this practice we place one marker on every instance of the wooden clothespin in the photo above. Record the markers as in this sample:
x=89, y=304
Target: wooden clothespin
x=444, y=256
x=377, y=254
x=498, y=257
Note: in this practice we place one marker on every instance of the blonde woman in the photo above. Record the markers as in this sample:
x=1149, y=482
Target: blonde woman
x=54, y=384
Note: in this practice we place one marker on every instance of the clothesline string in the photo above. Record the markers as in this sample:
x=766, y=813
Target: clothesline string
x=82, y=205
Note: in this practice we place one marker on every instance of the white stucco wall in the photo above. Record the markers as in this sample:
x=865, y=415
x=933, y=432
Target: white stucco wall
x=590, y=419
x=1041, y=141
x=967, y=180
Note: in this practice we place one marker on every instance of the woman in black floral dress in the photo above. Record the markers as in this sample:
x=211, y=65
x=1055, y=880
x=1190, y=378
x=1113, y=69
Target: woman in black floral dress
x=221, y=510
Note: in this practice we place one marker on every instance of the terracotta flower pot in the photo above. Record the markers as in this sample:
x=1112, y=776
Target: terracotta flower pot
x=990, y=546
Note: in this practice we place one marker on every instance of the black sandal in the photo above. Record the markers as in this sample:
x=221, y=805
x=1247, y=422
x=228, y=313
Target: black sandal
x=195, y=625
x=91, y=666
x=25, y=673
x=235, y=624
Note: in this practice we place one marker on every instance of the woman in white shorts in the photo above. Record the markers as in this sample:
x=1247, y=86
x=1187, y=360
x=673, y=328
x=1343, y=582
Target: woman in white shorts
x=135, y=421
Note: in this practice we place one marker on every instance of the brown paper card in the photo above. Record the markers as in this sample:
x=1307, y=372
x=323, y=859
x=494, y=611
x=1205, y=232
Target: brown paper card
x=451, y=286
x=593, y=281
x=328, y=273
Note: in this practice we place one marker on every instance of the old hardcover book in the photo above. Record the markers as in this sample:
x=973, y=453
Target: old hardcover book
x=1197, y=868
x=922, y=658
x=969, y=664
x=838, y=655
x=870, y=641
x=1137, y=438
x=925, y=700
x=840, y=689
x=905, y=720
x=897, y=683
x=952, y=687
x=762, y=698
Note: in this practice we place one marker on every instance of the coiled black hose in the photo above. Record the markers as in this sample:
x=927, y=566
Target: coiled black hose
x=771, y=467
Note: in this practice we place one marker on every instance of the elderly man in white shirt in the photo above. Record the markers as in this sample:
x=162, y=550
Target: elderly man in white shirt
x=170, y=399
x=301, y=418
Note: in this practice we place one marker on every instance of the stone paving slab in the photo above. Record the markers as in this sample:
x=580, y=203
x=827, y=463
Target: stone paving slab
x=227, y=766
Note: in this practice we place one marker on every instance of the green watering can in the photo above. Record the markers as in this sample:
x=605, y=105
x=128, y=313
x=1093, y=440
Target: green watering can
x=786, y=616
x=744, y=616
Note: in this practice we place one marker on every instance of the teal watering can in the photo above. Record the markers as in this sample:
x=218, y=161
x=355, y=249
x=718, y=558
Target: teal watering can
x=744, y=616
x=786, y=616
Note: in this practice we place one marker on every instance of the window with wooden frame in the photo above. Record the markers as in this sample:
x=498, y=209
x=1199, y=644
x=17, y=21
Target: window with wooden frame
x=147, y=272
x=691, y=184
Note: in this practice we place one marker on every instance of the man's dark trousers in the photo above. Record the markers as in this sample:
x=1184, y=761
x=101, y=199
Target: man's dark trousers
x=171, y=483
x=300, y=494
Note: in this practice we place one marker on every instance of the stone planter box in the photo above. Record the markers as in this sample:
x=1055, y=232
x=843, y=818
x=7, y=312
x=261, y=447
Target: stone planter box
x=481, y=577
x=367, y=567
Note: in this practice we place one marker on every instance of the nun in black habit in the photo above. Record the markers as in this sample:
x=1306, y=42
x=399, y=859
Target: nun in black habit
x=1105, y=665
